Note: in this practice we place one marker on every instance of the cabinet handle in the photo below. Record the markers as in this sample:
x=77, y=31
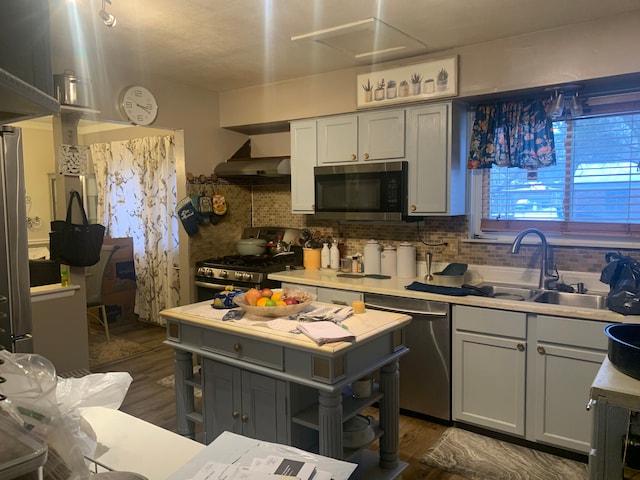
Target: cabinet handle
x=540, y=350
x=353, y=156
x=520, y=347
x=245, y=418
x=413, y=208
x=590, y=404
x=366, y=156
x=237, y=347
x=235, y=414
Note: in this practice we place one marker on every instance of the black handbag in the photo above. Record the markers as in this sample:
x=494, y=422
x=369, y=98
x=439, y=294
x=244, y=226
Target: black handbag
x=76, y=245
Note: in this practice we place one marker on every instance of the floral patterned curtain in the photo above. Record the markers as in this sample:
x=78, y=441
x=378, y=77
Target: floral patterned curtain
x=512, y=134
x=136, y=181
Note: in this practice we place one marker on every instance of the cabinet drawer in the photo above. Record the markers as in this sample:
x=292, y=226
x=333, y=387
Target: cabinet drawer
x=245, y=349
x=486, y=320
x=338, y=297
x=572, y=331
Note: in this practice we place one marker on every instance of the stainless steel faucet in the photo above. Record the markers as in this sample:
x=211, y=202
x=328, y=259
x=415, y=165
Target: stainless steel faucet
x=546, y=277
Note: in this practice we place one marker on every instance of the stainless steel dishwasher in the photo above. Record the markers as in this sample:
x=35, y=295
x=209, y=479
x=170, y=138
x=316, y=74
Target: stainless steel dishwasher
x=425, y=372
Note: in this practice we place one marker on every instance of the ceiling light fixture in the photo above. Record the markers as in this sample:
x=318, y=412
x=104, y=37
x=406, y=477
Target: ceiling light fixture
x=108, y=19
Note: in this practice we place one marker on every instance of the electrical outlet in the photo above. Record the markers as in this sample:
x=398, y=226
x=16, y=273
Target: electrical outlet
x=452, y=246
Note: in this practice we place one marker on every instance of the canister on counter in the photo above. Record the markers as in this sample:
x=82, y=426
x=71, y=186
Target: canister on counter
x=372, y=257
x=406, y=260
x=389, y=261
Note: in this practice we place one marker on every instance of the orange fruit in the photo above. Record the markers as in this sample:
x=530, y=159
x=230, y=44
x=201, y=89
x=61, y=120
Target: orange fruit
x=262, y=301
x=276, y=296
x=281, y=303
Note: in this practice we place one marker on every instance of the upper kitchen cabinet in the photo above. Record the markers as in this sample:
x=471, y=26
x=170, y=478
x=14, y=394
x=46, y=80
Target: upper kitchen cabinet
x=436, y=156
x=303, y=159
x=361, y=137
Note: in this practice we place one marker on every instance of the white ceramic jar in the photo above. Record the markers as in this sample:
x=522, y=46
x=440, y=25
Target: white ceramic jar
x=372, y=252
x=325, y=256
x=406, y=260
x=389, y=261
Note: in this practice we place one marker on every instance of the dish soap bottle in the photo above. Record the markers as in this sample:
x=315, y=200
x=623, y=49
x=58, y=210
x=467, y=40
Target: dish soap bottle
x=325, y=256
x=335, y=256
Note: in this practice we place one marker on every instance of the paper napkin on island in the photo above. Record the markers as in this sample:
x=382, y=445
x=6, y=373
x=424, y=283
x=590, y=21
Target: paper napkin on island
x=325, y=332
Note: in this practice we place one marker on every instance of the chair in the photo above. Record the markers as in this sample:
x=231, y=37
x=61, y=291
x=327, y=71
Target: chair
x=94, y=280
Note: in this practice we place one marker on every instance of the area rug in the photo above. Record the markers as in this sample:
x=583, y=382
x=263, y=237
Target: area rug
x=477, y=457
x=170, y=381
x=101, y=352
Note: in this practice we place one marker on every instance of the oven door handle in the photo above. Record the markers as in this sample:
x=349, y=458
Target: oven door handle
x=407, y=311
x=217, y=286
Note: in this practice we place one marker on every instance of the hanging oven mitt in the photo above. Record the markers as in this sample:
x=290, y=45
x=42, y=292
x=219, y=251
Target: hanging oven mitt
x=219, y=205
x=205, y=208
x=188, y=215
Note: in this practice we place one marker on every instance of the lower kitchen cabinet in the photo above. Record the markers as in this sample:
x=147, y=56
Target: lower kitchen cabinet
x=243, y=402
x=526, y=375
x=568, y=355
x=489, y=368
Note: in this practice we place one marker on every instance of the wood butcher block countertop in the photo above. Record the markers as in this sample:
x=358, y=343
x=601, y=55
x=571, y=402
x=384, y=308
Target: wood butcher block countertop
x=364, y=326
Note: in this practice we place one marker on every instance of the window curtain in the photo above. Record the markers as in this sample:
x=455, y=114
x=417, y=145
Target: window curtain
x=136, y=182
x=512, y=134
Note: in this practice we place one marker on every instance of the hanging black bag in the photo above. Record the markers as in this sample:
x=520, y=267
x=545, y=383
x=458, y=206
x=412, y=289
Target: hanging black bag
x=622, y=274
x=76, y=245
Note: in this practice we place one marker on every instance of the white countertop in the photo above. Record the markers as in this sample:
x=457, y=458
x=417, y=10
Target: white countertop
x=396, y=287
x=620, y=390
x=49, y=292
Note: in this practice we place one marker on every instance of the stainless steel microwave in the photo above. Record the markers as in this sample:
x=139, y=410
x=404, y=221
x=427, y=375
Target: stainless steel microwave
x=369, y=191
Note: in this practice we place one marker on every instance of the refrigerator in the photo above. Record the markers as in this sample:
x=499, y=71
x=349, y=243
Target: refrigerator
x=15, y=293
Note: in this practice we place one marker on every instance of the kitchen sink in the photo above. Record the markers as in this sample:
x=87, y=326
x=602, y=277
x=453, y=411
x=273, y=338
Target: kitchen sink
x=580, y=300
x=507, y=292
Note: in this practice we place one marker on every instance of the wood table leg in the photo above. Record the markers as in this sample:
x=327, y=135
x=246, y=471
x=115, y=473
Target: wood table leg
x=330, y=424
x=390, y=415
x=183, y=370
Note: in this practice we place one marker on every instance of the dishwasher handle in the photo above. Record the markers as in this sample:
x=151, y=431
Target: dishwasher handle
x=407, y=311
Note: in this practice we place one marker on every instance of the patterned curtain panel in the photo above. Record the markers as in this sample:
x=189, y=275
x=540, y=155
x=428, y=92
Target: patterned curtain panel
x=136, y=181
x=512, y=134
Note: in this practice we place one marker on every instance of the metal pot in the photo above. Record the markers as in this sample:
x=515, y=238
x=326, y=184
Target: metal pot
x=70, y=90
x=251, y=246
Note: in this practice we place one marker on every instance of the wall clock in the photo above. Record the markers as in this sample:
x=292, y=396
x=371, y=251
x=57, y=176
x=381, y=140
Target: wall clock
x=138, y=105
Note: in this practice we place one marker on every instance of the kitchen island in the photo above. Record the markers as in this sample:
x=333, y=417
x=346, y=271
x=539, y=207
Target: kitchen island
x=269, y=383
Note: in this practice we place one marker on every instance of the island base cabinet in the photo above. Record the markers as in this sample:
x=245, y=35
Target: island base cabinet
x=489, y=383
x=243, y=402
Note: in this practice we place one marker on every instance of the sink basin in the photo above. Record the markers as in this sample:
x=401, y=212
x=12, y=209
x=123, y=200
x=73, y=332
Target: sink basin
x=579, y=300
x=507, y=292
x=624, y=347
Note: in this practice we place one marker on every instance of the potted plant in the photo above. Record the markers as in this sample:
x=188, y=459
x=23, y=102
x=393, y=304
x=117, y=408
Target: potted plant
x=403, y=90
x=416, y=80
x=378, y=94
x=441, y=81
x=392, y=90
x=368, y=91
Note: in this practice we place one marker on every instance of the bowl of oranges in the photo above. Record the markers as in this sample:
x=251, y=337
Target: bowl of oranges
x=275, y=302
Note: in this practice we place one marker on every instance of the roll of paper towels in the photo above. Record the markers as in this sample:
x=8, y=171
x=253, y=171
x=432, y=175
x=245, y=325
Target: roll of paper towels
x=406, y=260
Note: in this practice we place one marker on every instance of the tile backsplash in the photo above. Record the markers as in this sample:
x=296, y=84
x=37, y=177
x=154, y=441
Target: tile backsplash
x=268, y=202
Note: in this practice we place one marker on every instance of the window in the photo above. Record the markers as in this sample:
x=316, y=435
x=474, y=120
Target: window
x=593, y=189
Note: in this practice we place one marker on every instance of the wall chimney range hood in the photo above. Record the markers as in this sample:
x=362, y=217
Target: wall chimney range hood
x=241, y=164
x=20, y=100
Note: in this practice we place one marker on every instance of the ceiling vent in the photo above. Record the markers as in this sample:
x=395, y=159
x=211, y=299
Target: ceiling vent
x=366, y=40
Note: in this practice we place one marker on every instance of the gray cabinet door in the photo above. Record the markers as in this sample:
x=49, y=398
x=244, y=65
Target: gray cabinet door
x=338, y=140
x=243, y=402
x=303, y=159
x=563, y=378
x=489, y=382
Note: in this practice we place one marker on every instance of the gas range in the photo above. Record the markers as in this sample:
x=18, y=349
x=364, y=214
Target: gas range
x=248, y=271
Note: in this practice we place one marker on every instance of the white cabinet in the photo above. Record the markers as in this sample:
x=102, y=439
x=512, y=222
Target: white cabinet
x=303, y=159
x=568, y=355
x=489, y=368
x=436, y=154
x=361, y=138
x=526, y=375
x=243, y=402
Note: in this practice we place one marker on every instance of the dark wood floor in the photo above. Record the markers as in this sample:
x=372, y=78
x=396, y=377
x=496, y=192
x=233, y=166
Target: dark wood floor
x=155, y=403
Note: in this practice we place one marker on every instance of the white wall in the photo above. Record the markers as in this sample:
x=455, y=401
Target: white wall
x=572, y=53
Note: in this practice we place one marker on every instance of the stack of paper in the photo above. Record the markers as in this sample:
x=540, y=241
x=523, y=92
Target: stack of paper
x=284, y=466
x=325, y=332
